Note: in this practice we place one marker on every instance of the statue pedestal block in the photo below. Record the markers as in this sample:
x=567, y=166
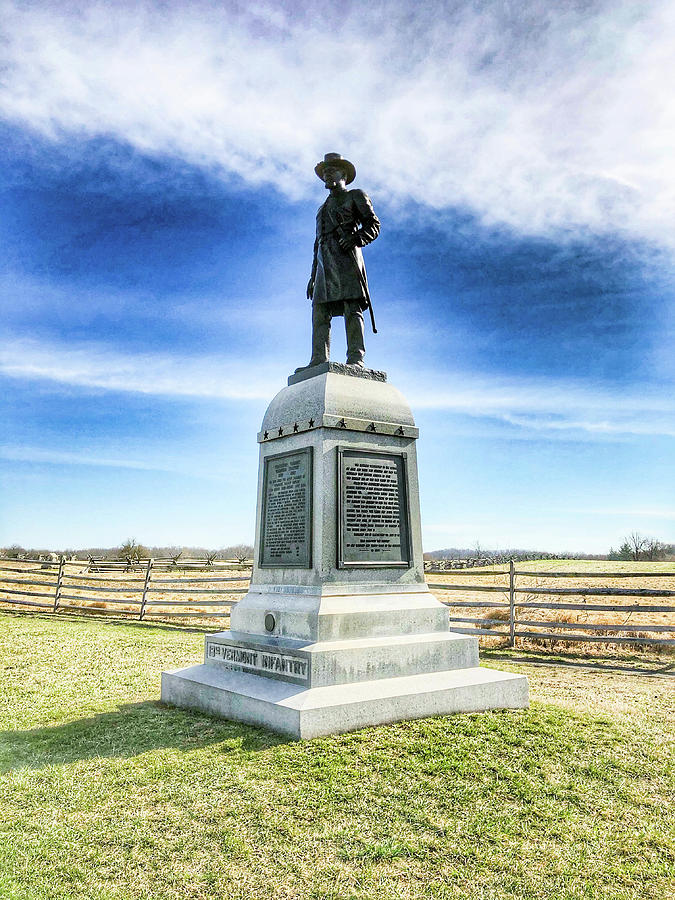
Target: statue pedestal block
x=339, y=629
x=306, y=713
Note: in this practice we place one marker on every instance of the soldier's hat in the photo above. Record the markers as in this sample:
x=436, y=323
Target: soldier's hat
x=334, y=159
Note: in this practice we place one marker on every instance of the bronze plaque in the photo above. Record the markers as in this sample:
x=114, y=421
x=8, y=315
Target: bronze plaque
x=286, y=529
x=373, y=524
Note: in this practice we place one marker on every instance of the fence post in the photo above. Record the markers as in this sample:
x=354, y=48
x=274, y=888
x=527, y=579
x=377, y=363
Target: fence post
x=512, y=604
x=146, y=585
x=59, y=583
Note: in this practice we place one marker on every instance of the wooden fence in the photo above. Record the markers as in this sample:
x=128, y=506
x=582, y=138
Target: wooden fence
x=159, y=564
x=144, y=593
x=446, y=564
x=512, y=625
x=56, y=586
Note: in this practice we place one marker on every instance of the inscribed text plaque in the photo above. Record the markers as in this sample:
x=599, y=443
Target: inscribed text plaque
x=373, y=516
x=286, y=526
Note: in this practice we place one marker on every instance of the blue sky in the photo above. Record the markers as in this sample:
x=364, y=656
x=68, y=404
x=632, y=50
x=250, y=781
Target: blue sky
x=158, y=202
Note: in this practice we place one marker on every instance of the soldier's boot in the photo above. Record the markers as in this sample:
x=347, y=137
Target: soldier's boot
x=356, y=348
x=320, y=336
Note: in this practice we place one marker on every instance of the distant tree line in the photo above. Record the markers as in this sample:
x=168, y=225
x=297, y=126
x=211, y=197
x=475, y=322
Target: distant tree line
x=487, y=559
x=634, y=547
x=638, y=546
x=131, y=549
x=480, y=553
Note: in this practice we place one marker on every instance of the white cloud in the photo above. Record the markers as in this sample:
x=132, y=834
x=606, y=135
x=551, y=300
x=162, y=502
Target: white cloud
x=193, y=465
x=545, y=117
x=22, y=453
x=100, y=367
x=542, y=405
x=530, y=405
x=633, y=420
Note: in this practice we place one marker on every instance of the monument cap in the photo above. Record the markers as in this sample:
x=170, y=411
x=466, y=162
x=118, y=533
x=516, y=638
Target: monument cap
x=335, y=159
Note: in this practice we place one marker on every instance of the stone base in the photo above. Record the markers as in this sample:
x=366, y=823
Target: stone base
x=337, y=368
x=326, y=663
x=305, y=713
x=334, y=613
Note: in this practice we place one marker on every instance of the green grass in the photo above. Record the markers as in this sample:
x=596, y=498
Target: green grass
x=104, y=793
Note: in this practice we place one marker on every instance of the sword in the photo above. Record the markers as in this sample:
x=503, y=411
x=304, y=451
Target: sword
x=364, y=285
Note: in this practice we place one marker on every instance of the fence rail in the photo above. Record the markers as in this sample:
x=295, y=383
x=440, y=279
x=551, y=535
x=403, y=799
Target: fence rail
x=63, y=590
x=513, y=626
x=52, y=587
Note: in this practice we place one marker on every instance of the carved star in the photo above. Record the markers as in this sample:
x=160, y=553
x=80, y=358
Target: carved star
x=281, y=431
x=371, y=427
x=342, y=424
x=295, y=426
x=400, y=431
x=311, y=423
x=266, y=435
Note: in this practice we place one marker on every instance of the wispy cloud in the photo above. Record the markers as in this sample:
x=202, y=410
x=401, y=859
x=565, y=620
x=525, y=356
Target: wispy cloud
x=528, y=404
x=631, y=418
x=101, y=367
x=551, y=405
x=548, y=118
x=196, y=465
x=22, y=453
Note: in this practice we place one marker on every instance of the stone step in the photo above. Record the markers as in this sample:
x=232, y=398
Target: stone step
x=303, y=713
x=341, y=662
x=340, y=616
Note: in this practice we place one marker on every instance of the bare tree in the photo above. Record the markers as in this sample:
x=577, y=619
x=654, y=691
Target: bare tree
x=15, y=551
x=132, y=550
x=653, y=549
x=636, y=542
x=240, y=552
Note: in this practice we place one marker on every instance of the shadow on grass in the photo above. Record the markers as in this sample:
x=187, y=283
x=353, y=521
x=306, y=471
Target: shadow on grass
x=98, y=616
x=127, y=731
x=629, y=665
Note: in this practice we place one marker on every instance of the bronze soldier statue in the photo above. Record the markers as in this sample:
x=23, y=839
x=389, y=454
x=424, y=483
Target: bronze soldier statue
x=338, y=286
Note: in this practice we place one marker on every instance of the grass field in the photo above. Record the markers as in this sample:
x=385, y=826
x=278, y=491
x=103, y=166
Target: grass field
x=106, y=794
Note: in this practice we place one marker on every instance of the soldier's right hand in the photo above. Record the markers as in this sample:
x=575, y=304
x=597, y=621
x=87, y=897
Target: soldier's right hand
x=310, y=289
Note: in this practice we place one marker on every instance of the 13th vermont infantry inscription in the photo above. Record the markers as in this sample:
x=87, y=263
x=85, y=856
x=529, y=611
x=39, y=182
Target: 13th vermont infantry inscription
x=265, y=662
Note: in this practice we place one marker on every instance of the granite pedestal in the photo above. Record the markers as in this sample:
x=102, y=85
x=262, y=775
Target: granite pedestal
x=339, y=629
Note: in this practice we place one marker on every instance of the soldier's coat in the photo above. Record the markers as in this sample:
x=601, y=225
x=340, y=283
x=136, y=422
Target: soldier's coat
x=335, y=272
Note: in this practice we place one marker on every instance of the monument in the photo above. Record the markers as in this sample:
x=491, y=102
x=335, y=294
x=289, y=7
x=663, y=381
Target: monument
x=338, y=629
